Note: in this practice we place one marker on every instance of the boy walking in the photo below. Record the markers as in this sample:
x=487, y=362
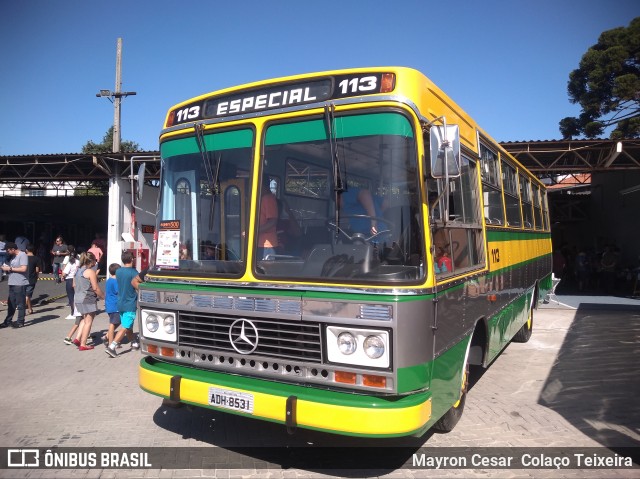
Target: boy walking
x=111, y=303
x=127, y=304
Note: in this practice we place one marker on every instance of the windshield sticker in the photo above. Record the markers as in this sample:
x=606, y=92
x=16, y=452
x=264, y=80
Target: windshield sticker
x=168, y=245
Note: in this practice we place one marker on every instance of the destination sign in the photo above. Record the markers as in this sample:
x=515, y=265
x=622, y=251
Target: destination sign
x=283, y=95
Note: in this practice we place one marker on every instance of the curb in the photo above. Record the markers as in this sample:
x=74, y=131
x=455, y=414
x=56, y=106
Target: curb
x=51, y=299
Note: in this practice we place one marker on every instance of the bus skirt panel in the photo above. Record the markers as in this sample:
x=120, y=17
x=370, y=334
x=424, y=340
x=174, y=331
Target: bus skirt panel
x=292, y=405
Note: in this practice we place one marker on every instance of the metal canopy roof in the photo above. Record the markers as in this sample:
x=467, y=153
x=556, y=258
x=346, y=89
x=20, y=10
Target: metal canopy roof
x=546, y=159
x=40, y=171
x=552, y=158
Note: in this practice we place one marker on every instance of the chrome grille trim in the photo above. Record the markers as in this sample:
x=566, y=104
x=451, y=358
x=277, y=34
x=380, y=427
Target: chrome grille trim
x=290, y=307
x=148, y=296
x=220, y=302
x=249, y=304
x=376, y=311
x=288, y=340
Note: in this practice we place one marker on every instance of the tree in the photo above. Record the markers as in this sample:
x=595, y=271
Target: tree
x=107, y=145
x=607, y=86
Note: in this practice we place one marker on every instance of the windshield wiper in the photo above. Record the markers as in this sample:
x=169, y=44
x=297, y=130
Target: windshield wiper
x=212, y=174
x=339, y=179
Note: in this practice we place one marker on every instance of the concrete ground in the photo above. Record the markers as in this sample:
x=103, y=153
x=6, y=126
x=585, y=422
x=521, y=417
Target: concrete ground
x=574, y=384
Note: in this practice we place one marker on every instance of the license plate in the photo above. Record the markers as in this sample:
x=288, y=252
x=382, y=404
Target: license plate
x=233, y=400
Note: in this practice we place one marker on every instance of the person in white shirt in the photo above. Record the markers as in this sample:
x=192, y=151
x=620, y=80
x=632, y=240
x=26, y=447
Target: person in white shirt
x=71, y=264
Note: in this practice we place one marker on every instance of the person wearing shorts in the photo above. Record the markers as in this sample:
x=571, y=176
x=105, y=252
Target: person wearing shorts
x=87, y=294
x=127, y=304
x=111, y=304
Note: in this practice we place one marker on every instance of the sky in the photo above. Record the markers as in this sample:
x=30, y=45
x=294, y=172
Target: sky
x=505, y=62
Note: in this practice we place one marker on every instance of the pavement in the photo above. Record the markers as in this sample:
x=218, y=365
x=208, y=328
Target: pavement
x=574, y=384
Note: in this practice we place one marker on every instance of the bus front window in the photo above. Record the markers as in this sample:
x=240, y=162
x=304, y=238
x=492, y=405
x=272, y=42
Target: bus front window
x=352, y=197
x=202, y=221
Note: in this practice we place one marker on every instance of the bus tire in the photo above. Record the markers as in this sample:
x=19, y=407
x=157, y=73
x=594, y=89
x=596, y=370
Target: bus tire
x=447, y=422
x=524, y=333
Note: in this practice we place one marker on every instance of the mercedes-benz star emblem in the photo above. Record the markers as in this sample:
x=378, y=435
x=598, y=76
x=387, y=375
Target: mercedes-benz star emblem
x=243, y=335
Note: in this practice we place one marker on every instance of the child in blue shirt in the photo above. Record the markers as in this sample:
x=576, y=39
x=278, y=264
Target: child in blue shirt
x=111, y=304
x=127, y=304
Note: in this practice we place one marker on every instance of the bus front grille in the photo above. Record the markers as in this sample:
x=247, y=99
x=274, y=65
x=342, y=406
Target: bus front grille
x=276, y=338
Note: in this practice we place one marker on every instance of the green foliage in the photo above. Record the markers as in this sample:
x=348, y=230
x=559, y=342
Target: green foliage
x=107, y=145
x=607, y=86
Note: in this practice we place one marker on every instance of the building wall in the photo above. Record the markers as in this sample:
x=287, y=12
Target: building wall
x=616, y=217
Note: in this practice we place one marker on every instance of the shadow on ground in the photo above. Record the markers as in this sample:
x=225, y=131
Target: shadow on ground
x=269, y=445
x=594, y=381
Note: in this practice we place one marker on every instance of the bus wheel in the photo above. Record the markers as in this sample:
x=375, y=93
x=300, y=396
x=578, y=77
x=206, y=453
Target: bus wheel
x=524, y=334
x=447, y=422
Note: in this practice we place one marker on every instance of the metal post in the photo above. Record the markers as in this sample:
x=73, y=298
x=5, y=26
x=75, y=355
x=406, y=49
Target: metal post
x=117, y=99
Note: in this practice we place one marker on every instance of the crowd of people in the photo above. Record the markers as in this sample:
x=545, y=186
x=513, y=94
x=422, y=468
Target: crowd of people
x=79, y=272
x=593, y=271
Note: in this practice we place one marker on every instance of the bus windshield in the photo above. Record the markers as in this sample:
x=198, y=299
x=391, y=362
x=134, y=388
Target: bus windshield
x=347, y=193
x=207, y=216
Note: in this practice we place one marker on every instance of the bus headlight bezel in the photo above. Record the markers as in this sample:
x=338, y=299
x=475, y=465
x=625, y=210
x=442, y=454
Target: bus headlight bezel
x=166, y=325
x=359, y=356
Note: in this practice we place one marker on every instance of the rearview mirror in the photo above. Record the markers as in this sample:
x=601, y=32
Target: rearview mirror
x=140, y=181
x=445, y=151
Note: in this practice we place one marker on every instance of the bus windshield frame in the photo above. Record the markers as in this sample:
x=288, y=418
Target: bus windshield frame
x=349, y=185
x=324, y=233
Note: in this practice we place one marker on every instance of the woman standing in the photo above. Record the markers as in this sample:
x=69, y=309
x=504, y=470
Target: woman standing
x=87, y=293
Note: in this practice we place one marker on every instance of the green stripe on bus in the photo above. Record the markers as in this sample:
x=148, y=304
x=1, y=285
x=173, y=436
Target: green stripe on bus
x=226, y=140
x=345, y=127
x=328, y=295
x=522, y=235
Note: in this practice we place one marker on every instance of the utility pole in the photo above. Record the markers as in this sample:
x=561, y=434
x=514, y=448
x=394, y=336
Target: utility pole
x=115, y=97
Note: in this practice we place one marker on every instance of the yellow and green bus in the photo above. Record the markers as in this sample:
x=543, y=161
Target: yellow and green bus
x=334, y=250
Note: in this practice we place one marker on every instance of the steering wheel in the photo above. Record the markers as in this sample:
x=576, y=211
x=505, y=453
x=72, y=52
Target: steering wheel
x=361, y=237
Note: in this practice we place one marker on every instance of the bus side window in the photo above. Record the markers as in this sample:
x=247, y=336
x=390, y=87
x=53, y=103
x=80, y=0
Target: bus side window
x=460, y=238
x=491, y=186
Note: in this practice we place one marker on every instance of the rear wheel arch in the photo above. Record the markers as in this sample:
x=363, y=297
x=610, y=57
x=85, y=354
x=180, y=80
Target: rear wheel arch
x=479, y=343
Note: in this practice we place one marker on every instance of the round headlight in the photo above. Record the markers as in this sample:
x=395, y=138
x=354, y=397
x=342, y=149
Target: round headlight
x=169, y=324
x=347, y=343
x=374, y=346
x=152, y=323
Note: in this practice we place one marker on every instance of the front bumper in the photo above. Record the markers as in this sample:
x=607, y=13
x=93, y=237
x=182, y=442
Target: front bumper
x=318, y=409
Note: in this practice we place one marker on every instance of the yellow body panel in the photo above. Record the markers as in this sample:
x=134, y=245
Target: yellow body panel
x=513, y=252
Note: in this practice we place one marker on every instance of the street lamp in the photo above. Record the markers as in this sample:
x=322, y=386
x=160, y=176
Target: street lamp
x=115, y=97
